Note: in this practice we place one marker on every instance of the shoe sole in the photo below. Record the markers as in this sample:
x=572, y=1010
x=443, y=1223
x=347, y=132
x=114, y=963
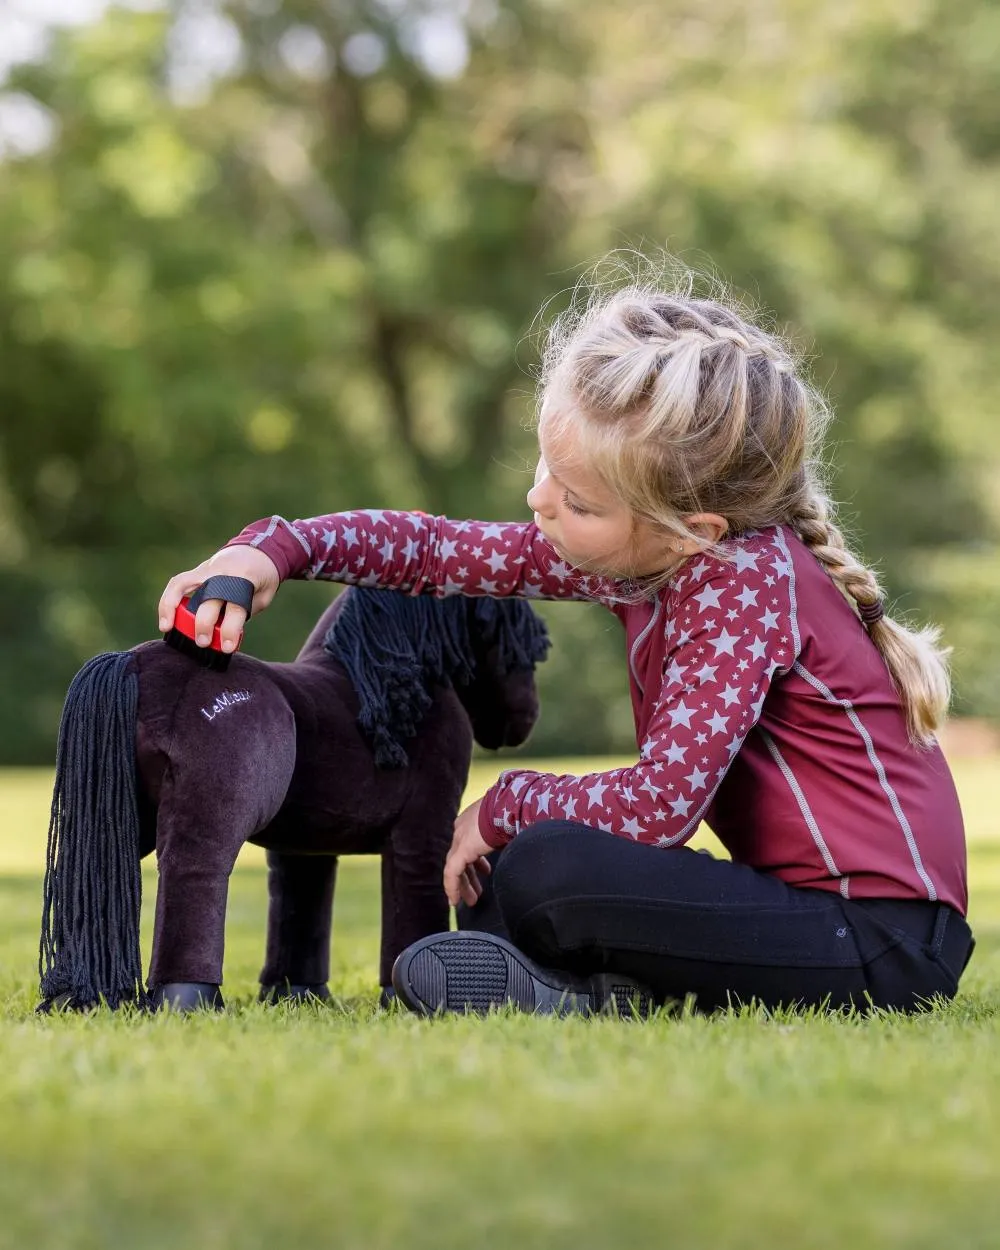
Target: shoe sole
x=471, y=972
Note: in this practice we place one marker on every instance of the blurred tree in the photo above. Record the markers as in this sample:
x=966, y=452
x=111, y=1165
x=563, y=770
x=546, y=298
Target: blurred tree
x=286, y=256
x=296, y=288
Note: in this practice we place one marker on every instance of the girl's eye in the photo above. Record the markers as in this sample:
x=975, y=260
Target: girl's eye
x=572, y=506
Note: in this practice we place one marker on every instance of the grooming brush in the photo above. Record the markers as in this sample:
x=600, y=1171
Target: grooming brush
x=181, y=635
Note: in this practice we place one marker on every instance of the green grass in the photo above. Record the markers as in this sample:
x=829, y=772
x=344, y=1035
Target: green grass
x=347, y=1127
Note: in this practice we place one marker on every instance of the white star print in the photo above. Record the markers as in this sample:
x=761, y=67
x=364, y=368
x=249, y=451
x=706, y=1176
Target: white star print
x=708, y=598
x=632, y=826
x=724, y=643
x=596, y=794
x=718, y=723
x=676, y=753
x=747, y=598
x=758, y=648
x=730, y=695
x=448, y=548
x=650, y=789
x=696, y=779
x=496, y=560
x=769, y=620
x=674, y=674
x=680, y=806
x=681, y=715
x=744, y=560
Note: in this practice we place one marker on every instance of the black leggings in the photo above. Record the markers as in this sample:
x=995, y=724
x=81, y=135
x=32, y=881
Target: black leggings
x=685, y=923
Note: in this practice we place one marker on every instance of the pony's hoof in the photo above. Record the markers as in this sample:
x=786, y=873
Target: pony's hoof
x=285, y=992
x=387, y=997
x=58, y=1003
x=186, y=996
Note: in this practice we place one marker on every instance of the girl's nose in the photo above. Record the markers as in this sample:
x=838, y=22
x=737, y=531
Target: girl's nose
x=538, y=500
x=538, y=497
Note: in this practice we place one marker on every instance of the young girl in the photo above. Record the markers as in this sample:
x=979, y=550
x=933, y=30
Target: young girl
x=773, y=698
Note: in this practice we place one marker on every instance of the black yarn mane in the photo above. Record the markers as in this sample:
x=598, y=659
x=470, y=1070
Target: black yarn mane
x=396, y=647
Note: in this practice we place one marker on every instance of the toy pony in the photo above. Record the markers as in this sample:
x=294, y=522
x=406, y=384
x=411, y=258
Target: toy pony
x=360, y=746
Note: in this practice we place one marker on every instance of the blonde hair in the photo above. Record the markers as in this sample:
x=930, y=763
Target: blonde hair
x=682, y=405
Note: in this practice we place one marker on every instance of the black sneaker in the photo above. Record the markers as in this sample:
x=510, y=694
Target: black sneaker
x=470, y=971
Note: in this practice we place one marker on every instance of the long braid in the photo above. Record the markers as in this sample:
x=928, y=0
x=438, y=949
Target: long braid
x=812, y=520
x=916, y=664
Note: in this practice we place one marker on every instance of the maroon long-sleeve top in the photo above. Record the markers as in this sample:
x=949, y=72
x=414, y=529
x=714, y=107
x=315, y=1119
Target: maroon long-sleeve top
x=761, y=705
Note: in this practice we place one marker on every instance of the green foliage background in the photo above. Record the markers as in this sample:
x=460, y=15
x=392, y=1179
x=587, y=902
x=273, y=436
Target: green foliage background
x=311, y=280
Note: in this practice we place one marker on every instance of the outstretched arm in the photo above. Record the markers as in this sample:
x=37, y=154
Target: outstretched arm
x=731, y=629
x=407, y=551
x=422, y=554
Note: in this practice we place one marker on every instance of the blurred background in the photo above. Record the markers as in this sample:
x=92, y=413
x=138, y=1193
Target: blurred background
x=289, y=255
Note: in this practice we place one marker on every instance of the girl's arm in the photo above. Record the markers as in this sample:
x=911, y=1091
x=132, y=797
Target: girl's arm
x=731, y=630
x=420, y=554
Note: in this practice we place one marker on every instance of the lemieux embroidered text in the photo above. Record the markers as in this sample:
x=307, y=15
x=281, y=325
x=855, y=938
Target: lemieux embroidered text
x=228, y=699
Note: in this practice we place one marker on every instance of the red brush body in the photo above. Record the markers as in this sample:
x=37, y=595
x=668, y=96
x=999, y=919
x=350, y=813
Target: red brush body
x=181, y=636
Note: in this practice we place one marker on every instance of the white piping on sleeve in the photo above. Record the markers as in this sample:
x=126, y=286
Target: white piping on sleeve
x=793, y=608
x=273, y=525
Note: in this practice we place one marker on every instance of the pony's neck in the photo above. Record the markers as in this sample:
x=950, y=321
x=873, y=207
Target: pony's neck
x=312, y=648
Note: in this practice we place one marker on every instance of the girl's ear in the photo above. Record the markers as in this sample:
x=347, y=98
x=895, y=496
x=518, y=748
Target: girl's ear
x=709, y=525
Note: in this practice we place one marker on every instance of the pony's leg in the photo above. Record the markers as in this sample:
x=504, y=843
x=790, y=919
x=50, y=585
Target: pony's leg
x=195, y=858
x=299, y=918
x=215, y=796
x=414, y=904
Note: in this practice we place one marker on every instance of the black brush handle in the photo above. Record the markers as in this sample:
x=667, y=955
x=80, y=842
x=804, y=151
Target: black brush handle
x=238, y=590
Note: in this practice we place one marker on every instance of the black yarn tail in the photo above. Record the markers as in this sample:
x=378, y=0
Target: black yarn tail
x=89, y=950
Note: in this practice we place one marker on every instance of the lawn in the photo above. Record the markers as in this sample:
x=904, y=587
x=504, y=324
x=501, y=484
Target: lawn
x=348, y=1127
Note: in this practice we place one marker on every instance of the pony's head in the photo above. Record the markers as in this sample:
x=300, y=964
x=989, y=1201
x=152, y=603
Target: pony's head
x=396, y=648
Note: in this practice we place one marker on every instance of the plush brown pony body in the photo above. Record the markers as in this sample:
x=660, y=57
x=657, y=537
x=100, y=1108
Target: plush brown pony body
x=361, y=746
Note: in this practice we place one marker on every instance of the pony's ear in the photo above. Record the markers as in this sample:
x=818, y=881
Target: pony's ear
x=515, y=629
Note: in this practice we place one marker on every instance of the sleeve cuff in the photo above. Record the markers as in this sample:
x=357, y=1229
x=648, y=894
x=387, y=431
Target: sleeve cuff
x=286, y=553
x=488, y=831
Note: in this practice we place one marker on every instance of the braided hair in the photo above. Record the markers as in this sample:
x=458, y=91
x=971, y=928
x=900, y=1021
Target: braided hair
x=684, y=405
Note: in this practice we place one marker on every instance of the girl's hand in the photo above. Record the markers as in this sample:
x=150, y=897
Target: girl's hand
x=466, y=861
x=242, y=561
